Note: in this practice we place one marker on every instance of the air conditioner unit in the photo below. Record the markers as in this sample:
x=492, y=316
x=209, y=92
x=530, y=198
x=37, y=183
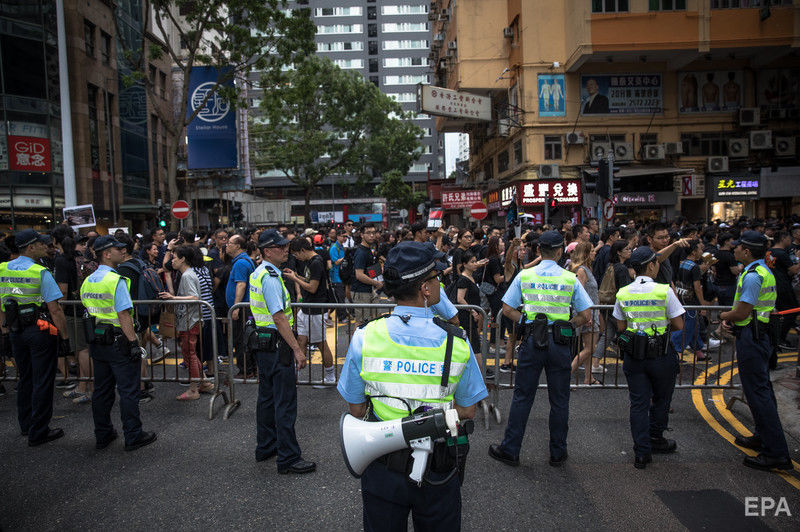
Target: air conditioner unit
x=717, y=164
x=438, y=37
x=749, y=116
x=600, y=150
x=738, y=147
x=503, y=127
x=784, y=146
x=654, y=152
x=761, y=139
x=452, y=45
x=508, y=32
x=443, y=63
x=673, y=148
x=450, y=53
x=548, y=170
x=623, y=151
x=575, y=138
x=444, y=15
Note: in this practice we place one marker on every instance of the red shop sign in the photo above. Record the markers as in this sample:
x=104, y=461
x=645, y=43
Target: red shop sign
x=28, y=154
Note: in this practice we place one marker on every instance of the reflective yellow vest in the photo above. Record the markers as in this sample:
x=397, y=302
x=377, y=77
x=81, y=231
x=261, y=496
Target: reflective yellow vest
x=645, y=311
x=98, y=297
x=23, y=286
x=409, y=372
x=258, y=305
x=546, y=294
x=766, y=295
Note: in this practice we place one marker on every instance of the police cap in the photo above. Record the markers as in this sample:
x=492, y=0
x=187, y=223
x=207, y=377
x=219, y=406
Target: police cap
x=751, y=238
x=413, y=260
x=642, y=255
x=29, y=236
x=271, y=238
x=551, y=239
x=104, y=242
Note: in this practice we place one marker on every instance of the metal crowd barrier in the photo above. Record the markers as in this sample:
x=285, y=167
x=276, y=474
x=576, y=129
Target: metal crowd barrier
x=162, y=364
x=602, y=346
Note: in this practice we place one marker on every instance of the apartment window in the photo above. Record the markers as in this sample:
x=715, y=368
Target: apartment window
x=162, y=79
x=164, y=146
x=154, y=142
x=105, y=51
x=373, y=65
x=399, y=62
x=518, y=153
x=488, y=170
x=108, y=104
x=705, y=144
x=392, y=27
x=372, y=30
x=735, y=4
x=349, y=63
x=340, y=46
x=406, y=45
x=552, y=147
x=502, y=162
x=372, y=13
x=426, y=132
x=337, y=12
x=405, y=80
x=94, y=132
x=340, y=28
x=403, y=97
x=667, y=5
x=418, y=168
x=375, y=80
x=88, y=37
x=404, y=10
x=607, y=138
x=373, y=47
x=609, y=6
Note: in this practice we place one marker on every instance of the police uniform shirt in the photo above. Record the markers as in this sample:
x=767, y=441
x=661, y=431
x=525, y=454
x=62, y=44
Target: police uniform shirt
x=122, y=298
x=50, y=290
x=751, y=284
x=420, y=331
x=644, y=285
x=272, y=289
x=547, y=268
x=444, y=308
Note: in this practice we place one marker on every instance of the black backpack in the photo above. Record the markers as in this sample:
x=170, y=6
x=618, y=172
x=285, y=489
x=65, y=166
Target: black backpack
x=148, y=286
x=347, y=269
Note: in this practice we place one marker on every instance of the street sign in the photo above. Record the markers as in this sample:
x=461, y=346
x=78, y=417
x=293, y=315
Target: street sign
x=403, y=213
x=180, y=209
x=608, y=210
x=478, y=211
x=688, y=185
x=421, y=208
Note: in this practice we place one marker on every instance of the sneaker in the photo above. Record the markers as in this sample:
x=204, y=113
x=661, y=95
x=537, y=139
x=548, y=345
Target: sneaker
x=183, y=365
x=330, y=377
x=713, y=343
x=489, y=373
x=71, y=394
x=82, y=399
x=783, y=346
x=145, y=396
x=148, y=386
x=598, y=369
x=2, y=390
x=506, y=368
x=65, y=385
x=159, y=355
x=328, y=323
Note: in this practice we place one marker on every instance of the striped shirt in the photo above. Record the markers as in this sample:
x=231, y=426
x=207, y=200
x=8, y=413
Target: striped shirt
x=206, y=290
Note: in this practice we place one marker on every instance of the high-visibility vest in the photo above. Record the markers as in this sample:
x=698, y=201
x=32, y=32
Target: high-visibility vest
x=550, y=295
x=412, y=373
x=766, y=294
x=98, y=296
x=23, y=286
x=258, y=305
x=645, y=311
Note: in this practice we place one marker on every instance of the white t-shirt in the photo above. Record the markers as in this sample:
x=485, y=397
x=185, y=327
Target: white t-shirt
x=644, y=285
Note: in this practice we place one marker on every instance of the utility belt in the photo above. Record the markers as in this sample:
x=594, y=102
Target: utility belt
x=760, y=329
x=19, y=317
x=100, y=333
x=641, y=346
x=561, y=331
x=266, y=339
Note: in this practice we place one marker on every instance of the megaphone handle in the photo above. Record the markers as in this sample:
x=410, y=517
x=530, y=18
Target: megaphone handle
x=422, y=449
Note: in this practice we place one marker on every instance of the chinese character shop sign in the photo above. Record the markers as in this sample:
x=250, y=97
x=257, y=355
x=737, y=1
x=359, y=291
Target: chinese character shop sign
x=735, y=188
x=566, y=191
x=456, y=104
x=28, y=154
x=460, y=199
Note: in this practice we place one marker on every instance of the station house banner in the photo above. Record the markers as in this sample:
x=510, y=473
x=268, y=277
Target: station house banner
x=612, y=94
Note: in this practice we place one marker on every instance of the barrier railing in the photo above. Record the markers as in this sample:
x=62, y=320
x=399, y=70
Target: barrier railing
x=162, y=364
x=599, y=343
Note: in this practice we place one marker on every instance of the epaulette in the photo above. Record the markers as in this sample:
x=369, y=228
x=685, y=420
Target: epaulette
x=449, y=328
x=273, y=273
x=379, y=317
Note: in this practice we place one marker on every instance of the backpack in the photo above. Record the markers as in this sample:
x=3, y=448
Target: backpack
x=607, y=293
x=148, y=286
x=347, y=269
x=85, y=267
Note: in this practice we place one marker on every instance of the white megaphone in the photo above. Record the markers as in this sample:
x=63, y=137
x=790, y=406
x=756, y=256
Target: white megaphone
x=364, y=441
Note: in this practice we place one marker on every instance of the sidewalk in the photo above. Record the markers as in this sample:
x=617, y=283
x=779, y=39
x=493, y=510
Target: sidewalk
x=786, y=383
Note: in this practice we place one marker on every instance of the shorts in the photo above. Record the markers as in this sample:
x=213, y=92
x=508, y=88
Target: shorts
x=75, y=332
x=311, y=326
x=362, y=314
x=593, y=327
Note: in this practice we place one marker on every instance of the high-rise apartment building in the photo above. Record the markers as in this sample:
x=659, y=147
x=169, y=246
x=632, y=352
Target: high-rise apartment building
x=388, y=43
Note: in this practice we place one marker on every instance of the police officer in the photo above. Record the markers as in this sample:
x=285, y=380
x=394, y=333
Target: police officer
x=114, y=347
x=29, y=300
x=753, y=302
x=375, y=387
x=644, y=311
x=546, y=293
x=277, y=354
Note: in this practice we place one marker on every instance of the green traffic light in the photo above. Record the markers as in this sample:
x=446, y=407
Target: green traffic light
x=162, y=223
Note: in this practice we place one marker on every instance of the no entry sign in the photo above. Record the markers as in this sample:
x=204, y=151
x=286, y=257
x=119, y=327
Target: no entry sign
x=180, y=209
x=478, y=211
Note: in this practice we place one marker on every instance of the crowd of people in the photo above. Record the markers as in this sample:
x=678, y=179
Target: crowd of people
x=342, y=263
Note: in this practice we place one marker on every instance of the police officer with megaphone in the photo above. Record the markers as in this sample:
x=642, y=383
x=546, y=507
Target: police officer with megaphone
x=405, y=363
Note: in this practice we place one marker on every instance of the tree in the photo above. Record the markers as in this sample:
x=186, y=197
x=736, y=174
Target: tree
x=398, y=194
x=320, y=120
x=238, y=36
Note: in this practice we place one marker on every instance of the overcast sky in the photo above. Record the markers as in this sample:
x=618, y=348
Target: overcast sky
x=450, y=152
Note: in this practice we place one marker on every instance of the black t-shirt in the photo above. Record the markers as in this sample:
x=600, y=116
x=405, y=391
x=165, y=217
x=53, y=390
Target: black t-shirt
x=493, y=267
x=472, y=297
x=665, y=273
x=66, y=271
x=725, y=261
x=126, y=269
x=315, y=270
x=362, y=259
x=293, y=264
x=622, y=277
x=780, y=267
x=688, y=273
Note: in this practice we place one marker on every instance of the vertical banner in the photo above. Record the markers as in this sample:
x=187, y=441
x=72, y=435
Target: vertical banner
x=211, y=136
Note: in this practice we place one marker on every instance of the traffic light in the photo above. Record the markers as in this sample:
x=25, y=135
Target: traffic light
x=236, y=212
x=163, y=215
x=607, y=181
x=552, y=206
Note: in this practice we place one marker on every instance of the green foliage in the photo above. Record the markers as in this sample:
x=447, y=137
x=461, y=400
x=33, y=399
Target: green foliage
x=398, y=194
x=319, y=120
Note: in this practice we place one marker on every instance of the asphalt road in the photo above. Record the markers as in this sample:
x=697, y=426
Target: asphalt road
x=202, y=473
